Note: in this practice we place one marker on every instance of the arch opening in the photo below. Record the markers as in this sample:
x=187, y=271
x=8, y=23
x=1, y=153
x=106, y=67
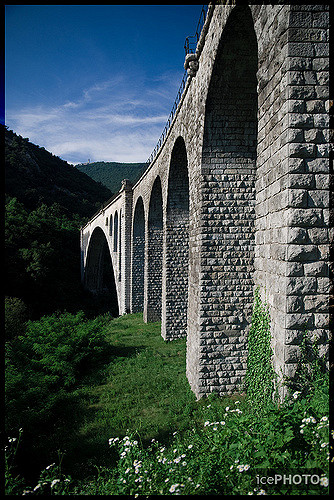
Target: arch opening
x=99, y=276
x=110, y=225
x=138, y=257
x=177, y=245
x=115, y=232
x=155, y=247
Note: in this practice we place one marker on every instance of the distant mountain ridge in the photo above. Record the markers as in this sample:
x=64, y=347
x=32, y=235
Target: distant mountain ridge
x=34, y=176
x=110, y=173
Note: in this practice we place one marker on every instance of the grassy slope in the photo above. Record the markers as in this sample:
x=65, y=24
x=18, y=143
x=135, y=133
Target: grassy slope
x=143, y=388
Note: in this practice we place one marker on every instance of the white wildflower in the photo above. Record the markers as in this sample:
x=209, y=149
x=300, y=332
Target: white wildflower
x=324, y=481
x=173, y=487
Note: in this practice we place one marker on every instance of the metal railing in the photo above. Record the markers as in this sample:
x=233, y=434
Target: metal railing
x=190, y=48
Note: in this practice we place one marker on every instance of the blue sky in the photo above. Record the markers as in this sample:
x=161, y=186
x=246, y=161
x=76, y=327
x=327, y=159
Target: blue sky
x=94, y=81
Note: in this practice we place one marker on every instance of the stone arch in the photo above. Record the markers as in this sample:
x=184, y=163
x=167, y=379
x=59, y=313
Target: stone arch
x=138, y=257
x=228, y=173
x=115, y=247
x=176, y=259
x=99, y=275
x=154, y=254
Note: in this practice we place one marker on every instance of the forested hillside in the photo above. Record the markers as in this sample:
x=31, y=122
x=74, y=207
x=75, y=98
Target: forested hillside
x=35, y=176
x=111, y=173
x=47, y=200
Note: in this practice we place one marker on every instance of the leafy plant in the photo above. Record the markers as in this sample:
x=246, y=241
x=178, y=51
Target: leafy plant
x=260, y=375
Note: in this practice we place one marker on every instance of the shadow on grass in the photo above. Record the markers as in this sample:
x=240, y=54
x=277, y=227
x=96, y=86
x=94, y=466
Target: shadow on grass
x=57, y=429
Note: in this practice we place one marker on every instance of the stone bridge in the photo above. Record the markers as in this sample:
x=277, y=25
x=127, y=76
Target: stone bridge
x=236, y=196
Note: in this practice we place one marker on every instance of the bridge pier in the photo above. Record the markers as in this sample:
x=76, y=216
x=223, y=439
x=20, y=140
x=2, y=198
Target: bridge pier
x=176, y=247
x=153, y=256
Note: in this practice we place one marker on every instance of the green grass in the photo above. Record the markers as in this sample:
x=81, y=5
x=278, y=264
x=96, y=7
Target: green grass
x=141, y=387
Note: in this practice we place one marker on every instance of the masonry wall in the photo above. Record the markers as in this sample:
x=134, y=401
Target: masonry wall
x=308, y=283
x=288, y=259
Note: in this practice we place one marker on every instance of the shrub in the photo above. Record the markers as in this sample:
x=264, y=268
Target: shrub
x=46, y=360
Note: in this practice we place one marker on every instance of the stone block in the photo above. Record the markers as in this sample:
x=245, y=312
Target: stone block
x=318, y=235
x=298, y=320
x=316, y=269
x=304, y=217
x=324, y=285
x=294, y=304
x=301, y=285
x=301, y=181
x=302, y=253
x=316, y=303
x=298, y=235
x=321, y=320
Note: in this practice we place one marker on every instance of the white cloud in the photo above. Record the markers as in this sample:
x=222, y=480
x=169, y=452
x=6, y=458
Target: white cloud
x=119, y=119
